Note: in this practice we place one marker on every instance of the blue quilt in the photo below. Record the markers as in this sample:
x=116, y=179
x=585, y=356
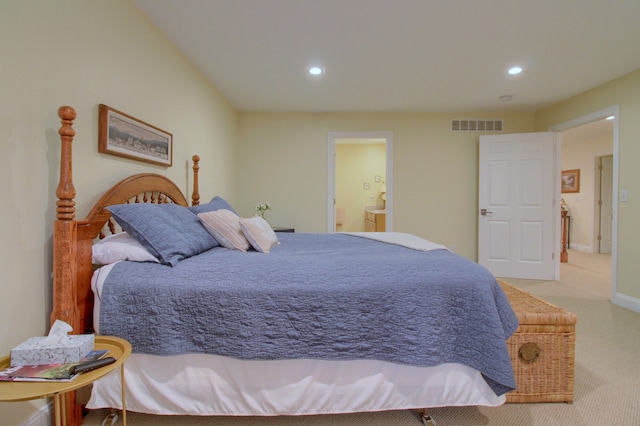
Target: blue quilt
x=317, y=296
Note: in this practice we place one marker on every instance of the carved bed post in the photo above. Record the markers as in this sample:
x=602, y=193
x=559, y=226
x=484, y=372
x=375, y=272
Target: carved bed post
x=65, y=230
x=195, y=197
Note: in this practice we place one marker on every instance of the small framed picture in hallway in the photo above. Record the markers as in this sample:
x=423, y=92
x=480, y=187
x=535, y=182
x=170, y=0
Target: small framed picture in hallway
x=571, y=181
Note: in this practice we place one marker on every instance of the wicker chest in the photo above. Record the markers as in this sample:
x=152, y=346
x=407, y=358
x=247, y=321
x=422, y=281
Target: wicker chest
x=542, y=349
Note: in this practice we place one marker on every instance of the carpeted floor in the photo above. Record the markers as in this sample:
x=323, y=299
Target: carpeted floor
x=607, y=375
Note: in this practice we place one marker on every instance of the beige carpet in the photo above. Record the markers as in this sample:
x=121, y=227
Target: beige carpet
x=607, y=376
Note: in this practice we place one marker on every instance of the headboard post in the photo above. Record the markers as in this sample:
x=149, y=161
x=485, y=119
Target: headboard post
x=65, y=250
x=195, y=197
x=65, y=231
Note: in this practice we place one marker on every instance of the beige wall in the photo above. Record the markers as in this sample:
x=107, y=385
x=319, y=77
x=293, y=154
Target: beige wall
x=83, y=53
x=283, y=161
x=624, y=92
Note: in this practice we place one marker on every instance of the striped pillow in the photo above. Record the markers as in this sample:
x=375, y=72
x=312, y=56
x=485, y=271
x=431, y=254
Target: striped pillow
x=259, y=233
x=224, y=226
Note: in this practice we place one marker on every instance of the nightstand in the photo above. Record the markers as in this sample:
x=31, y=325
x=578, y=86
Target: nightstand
x=283, y=229
x=118, y=348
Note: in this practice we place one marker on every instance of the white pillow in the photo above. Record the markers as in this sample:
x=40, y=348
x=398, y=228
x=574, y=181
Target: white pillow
x=259, y=233
x=224, y=226
x=121, y=246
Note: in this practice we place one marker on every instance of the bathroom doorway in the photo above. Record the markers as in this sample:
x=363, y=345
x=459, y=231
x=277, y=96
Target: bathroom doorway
x=359, y=181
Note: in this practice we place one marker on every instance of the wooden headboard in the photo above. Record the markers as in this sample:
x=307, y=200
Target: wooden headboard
x=72, y=239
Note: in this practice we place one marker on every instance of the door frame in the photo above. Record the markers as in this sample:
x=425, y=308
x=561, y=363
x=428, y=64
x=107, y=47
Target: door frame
x=331, y=167
x=597, y=115
x=598, y=219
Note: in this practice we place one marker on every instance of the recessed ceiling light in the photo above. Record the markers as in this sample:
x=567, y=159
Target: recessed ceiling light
x=316, y=70
x=611, y=117
x=514, y=70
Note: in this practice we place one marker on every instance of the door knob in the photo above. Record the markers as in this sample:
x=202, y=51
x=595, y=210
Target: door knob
x=484, y=212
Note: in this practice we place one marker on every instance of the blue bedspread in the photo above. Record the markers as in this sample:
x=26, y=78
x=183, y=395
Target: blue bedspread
x=317, y=296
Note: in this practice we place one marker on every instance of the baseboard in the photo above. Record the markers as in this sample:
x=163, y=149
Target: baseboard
x=626, y=302
x=42, y=417
x=582, y=248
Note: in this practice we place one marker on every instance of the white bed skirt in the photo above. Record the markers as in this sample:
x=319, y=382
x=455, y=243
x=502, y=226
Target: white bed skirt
x=206, y=385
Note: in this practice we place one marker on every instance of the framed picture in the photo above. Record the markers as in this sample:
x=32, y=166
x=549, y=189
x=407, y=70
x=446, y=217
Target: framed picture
x=125, y=136
x=571, y=181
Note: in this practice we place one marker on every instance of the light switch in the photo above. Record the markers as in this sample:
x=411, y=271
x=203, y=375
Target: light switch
x=623, y=195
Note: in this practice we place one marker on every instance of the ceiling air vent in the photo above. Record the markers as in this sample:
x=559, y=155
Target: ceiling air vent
x=476, y=125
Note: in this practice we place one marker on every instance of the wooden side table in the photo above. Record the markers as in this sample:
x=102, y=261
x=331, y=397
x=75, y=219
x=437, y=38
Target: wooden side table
x=118, y=348
x=283, y=229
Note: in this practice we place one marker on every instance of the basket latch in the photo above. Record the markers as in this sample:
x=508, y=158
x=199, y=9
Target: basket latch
x=529, y=352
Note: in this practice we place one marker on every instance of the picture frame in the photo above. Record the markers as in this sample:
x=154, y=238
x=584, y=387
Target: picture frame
x=125, y=136
x=570, y=181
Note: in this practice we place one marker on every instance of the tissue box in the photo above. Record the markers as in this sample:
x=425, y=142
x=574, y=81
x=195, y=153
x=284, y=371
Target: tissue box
x=31, y=353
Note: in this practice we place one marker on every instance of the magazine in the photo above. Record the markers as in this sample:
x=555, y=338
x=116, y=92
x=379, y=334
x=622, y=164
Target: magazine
x=47, y=372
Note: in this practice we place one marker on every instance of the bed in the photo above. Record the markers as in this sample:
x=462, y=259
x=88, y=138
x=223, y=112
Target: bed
x=286, y=324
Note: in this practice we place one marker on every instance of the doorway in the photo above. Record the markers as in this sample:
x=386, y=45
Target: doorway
x=583, y=144
x=360, y=178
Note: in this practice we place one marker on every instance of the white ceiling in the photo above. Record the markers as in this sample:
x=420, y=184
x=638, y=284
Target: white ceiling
x=402, y=55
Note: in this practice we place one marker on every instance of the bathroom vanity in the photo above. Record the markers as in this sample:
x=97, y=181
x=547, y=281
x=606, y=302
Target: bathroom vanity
x=375, y=220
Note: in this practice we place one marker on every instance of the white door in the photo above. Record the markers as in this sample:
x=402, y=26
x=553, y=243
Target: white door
x=606, y=204
x=516, y=205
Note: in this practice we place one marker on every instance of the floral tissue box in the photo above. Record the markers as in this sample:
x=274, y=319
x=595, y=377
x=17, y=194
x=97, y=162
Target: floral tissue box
x=70, y=349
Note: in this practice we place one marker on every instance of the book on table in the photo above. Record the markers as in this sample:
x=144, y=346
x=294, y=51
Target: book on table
x=48, y=372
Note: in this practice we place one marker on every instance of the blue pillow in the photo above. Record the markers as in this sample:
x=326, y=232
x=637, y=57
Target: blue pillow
x=169, y=231
x=217, y=203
